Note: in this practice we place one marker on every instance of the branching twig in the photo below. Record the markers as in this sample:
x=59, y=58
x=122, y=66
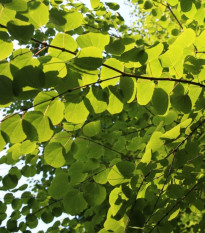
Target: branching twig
x=162, y=189
x=175, y=205
x=185, y=139
x=170, y=9
x=171, y=167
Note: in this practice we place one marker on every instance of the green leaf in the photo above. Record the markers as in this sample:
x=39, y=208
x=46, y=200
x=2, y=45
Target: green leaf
x=6, y=14
x=28, y=171
x=200, y=41
x=181, y=103
x=155, y=142
x=15, y=151
x=12, y=127
x=147, y=156
x=65, y=21
x=154, y=68
x=76, y=112
x=28, y=147
x=113, y=6
x=37, y=13
x=128, y=87
x=185, y=39
x=37, y=127
x=186, y=5
x=12, y=225
x=115, y=177
x=87, y=149
x=74, y=202
x=115, y=105
x=16, y=5
x=174, y=214
x=6, y=92
x=47, y=217
x=20, y=30
x=160, y=101
x=59, y=186
x=10, y=181
x=102, y=174
x=94, y=194
x=126, y=168
x=92, y=129
x=91, y=39
x=172, y=133
x=6, y=47
x=115, y=47
x=107, y=73
x=63, y=41
x=154, y=52
x=135, y=55
x=135, y=144
x=145, y=91
x=170, y=58
x=53, y=155
x=64, y=138
x=2, y=142
x=94, y=3
x=148, y=5
x=98, y=99
x=53, y=108
x=89, y=58
x=175, y=191
x=34, y=78
x=54, y=66
x=172, y=2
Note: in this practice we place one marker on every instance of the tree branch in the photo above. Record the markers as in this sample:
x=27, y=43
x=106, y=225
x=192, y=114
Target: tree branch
x=119, y=71
x=175, y=205
x=170, y=9
x=162, y=189
x=171, y=167
x=185, y=139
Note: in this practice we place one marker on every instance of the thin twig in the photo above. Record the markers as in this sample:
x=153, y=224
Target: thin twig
x=162, y=189
x=185, y=139
x=175, y=205
x=170, y=9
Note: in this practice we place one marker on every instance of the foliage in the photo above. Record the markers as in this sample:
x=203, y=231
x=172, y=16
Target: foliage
x=110, y=117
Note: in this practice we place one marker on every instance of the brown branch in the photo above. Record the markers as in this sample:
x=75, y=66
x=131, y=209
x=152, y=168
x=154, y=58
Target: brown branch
x=59, y=95
x=175, y=205
x=154, y=78
x=141, y=184
x=171, y=167
x=138, y=130
x=170, y=9
x=121, y=72
x=185, y=139
x=100, y=144
x=45, y=44
x=162, y=189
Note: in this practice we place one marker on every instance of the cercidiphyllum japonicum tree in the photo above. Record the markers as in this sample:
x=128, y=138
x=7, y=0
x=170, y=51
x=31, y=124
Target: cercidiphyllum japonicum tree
x=110, y=116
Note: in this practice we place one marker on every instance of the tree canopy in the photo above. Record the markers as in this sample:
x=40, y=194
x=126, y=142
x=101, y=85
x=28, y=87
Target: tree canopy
x=104, y=121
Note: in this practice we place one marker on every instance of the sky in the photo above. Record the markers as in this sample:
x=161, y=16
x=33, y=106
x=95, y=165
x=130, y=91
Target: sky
x=124, y=11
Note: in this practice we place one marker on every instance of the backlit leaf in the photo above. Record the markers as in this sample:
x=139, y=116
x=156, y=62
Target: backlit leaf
x=160, y=101
x=37, y=126
x=12, y=127
x=107, y=72
x=145, y=91
x=53, y=155
x=20, y=30
x=74, y=202
x=91, y=129
x=97, y=40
